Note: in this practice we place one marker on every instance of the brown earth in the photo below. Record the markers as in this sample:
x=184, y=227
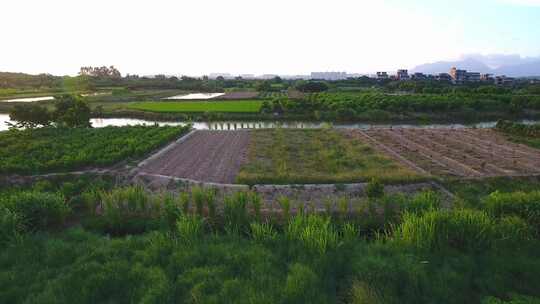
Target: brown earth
x=457, y=152
x=210, y=156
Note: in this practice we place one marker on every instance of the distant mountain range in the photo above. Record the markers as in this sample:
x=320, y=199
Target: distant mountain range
x=509, y=65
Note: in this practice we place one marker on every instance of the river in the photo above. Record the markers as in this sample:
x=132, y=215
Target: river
x=237, y=125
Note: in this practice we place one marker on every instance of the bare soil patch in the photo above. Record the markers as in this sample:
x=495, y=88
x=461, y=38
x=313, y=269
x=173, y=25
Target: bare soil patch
x=460, y=153
x=210, y=156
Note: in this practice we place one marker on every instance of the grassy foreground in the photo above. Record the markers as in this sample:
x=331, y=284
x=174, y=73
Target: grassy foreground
x=178, y=249
x=53, y=149
x=316, y=156
x=240, y=106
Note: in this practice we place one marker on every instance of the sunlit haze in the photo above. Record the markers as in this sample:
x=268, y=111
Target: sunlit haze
x=257, y=37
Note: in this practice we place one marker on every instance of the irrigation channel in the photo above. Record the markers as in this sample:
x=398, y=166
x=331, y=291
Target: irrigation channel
x=240, y=125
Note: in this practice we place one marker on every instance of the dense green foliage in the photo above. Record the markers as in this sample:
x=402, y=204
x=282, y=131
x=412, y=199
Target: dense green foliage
x=426, y=255
x=36, y=210
x=526, y=205
x=60, y=149
x=69, y=111
x=240, y=106
x=521, y=133
x=316, y=156
x=518, y=128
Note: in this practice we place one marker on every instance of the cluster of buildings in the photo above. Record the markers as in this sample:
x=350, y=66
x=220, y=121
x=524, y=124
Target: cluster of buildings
x=455, y=76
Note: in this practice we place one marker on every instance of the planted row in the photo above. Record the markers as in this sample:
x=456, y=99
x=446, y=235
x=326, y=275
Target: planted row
x=60, y=149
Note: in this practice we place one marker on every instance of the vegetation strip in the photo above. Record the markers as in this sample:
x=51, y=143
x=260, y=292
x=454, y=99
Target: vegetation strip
x=242, y=106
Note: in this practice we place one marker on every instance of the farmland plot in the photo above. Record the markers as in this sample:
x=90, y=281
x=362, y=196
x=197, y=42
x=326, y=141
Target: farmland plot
x=460, y=153
x=209, y=156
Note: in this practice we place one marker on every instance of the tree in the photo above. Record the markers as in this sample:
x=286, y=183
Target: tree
x=71, y=111
x=312, y=87
x=263, y=86
x=30, y=116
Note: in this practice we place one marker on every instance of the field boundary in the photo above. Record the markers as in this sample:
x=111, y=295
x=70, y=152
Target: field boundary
x=166, y=148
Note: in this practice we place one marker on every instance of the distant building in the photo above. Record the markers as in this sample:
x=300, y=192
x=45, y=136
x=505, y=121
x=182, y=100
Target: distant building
x=458, y=76
x=419, y=76
x=486, y=77
x=472, y=76
x=247, y=76
x=444, y=77
x=329, y=75
x=402, y=75
x=503, y=80
x=382, y=75
x=224, y=75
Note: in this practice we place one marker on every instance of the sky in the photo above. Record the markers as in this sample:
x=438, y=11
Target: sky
x=198, y=37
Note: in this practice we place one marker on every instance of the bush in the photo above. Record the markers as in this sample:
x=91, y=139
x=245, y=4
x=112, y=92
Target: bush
x=523, y=204
x=437, y=230
x=315, y=233
x=374, y=189
x=423, y=201
x=190, y=228
x=263, y=232
x=11, y=225
x=235, y=213
x=363, y=293
x=37, y=210
x=302, y=285
x=129, y=210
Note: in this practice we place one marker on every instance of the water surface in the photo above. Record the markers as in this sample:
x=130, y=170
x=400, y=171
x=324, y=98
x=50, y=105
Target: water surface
x=239, y=125
x=196, y=96
x=28, y=99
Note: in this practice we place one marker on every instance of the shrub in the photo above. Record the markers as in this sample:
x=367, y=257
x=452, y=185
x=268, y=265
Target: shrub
x=374, y=189
x=11, y=225
x=172, y=211
x=285, y=205
x=423, y=201
x=314, y=232
x=235, y=212
x=129, y=210
x=523, y=204
x=460, y=229
x=302, y=285
x=363, y=293
x=190, y=228
x=256, y=202
x=38, y=210
x=262, y=232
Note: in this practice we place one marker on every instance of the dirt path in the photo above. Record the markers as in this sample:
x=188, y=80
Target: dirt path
x=209, y=156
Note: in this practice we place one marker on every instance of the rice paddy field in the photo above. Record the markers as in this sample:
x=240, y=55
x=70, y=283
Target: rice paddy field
x=236, y=106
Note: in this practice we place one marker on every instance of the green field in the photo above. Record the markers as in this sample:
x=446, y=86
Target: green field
x=56, y=150
x=316, y=156
x=240, y=106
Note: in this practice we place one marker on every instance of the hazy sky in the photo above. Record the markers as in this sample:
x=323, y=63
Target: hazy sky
x=196, y=37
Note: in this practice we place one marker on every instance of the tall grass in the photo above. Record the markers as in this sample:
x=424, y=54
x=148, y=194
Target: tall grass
x=523, y=204
x=37, y=210
x=235, y=213
x=463, y=229
x=11, y=226
x=316, y=233
x=190, y=228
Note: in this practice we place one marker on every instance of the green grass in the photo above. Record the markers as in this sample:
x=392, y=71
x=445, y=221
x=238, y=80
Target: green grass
x=240, y=106
x=57, y=150
x=440, y=256
x=316, y=156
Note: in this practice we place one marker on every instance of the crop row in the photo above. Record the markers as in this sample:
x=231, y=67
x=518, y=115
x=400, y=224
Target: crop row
x=55, y=149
